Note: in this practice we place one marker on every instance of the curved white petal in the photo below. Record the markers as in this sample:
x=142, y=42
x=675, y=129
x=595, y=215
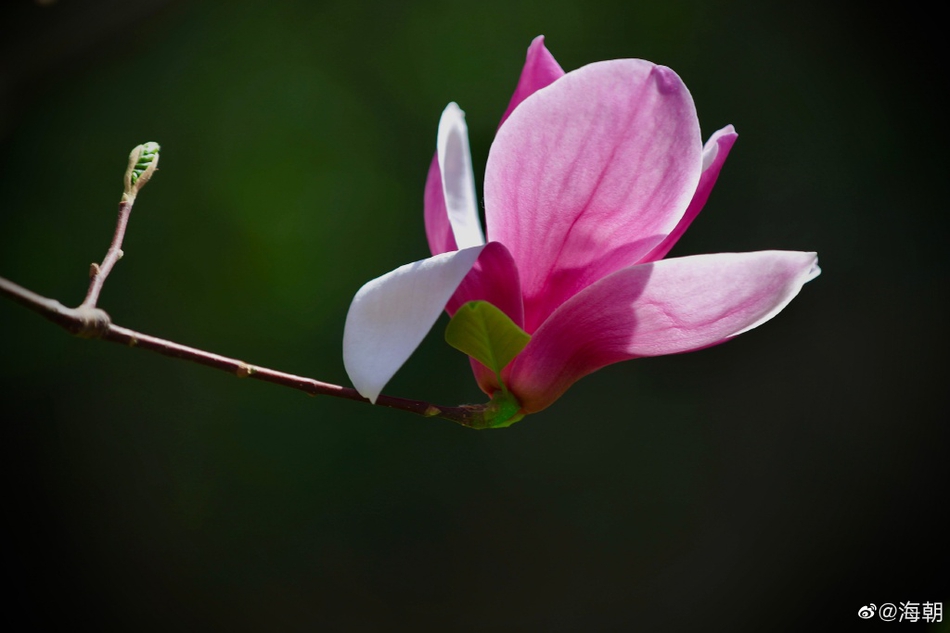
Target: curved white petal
x=458, y=179
x=390, y=315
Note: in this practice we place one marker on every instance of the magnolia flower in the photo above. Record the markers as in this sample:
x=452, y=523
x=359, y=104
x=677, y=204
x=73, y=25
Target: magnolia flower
x=591, y=179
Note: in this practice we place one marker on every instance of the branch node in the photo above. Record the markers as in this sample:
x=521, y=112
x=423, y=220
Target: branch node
x=244, y=370
x=93, y=322
x=432, y=411
x=93, y=270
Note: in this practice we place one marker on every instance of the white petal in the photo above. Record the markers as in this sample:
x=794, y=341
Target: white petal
x=390, y=315
x=458, y=179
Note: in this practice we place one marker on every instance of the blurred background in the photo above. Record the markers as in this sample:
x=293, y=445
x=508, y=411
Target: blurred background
x=784, y=479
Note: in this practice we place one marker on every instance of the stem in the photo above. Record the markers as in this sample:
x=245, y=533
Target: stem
x=88, y=321
x=99, y=272
x=91, y=322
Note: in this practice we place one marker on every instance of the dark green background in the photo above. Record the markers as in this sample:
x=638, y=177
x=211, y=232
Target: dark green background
x=783, y=479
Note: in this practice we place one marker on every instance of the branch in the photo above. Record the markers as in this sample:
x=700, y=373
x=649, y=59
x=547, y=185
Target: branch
x=99, y=272
x=89, y=321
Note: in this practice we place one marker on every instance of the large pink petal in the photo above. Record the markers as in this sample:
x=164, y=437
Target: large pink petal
x=665, y=307
x=588, y=175
x=714, y=156
x=540, y=70
x=493, y=278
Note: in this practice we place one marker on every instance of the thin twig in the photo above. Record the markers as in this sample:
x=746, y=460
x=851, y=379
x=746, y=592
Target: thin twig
x=88, y=321
x=95, y=323
x=99, y=272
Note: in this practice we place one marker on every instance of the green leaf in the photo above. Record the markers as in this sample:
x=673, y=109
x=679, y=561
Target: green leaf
x=485, y=333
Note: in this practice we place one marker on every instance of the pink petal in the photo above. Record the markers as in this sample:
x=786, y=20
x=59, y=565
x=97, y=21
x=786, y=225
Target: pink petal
x=438, y=228
x=665, y=307
x=390, y=315
x=588, y=175
x=540, y=70
x=714, y=156
x=493, y=278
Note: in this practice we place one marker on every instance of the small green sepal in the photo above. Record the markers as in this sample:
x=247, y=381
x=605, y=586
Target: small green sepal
x=487, y=334
x=503, y=410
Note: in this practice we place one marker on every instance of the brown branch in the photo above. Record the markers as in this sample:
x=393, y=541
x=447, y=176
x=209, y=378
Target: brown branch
x=95, y=323
x=88, y=321
x=99, y=272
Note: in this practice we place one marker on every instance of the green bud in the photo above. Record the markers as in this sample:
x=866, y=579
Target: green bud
x=143, y=161
x=148, y=155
